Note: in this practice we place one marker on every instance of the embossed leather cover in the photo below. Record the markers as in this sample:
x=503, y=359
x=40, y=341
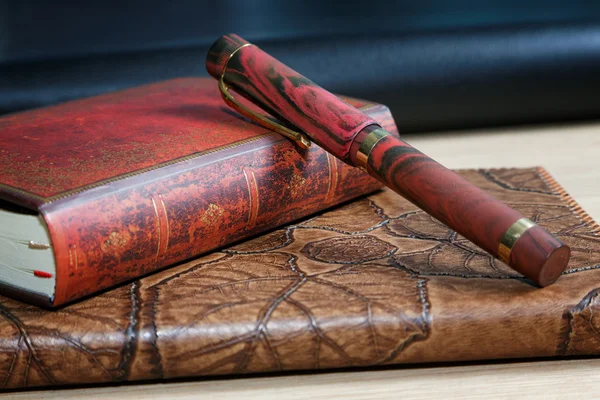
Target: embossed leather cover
x=137, y=180
x=376, y=281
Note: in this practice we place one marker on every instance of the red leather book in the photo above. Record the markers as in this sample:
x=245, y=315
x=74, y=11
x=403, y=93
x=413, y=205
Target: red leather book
x=133, y=181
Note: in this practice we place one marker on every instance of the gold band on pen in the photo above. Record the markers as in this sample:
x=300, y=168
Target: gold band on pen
x=364, y=151
x=510, y=237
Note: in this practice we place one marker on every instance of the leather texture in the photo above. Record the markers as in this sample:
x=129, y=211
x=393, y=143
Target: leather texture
x=376, y=281
x=433, y=76
x=138, y=180
x=52, y=152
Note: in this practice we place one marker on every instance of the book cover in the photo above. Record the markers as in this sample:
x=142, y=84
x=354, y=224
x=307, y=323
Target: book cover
x=137, y=180
x=374, y=282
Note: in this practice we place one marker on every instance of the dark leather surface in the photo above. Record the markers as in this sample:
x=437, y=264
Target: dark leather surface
x=374, y=282
x=437, y=65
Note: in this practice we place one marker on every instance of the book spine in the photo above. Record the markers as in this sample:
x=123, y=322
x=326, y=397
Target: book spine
x=145, y=222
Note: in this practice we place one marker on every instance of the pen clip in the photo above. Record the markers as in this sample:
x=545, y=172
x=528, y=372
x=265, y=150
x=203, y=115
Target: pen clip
x=298, y=137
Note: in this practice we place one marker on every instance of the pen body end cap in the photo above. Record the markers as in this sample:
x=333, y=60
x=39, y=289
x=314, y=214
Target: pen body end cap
x=540, y=256
x=554, y=266
x=220, y=51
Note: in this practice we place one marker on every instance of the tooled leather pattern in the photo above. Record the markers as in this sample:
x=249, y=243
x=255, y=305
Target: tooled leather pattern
x=376, y=281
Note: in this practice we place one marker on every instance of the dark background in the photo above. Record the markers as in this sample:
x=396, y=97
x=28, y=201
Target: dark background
x=436, y=64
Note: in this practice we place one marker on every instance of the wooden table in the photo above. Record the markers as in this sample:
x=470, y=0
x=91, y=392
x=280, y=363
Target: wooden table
x=572, y=155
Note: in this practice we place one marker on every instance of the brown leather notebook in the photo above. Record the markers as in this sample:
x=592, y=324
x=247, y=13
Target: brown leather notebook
x=376, y=281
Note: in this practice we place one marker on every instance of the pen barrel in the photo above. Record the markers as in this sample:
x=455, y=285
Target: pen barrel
x=468, y=210
x=348, y=134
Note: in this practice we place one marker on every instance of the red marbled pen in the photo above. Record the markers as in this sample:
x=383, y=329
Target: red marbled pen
x=353, y=137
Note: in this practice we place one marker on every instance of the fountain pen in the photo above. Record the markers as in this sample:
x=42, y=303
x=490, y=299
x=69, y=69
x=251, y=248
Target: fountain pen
x=353, y=137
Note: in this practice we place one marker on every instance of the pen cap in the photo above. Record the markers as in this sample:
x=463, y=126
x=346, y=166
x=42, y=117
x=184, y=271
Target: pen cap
x=285, y=94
